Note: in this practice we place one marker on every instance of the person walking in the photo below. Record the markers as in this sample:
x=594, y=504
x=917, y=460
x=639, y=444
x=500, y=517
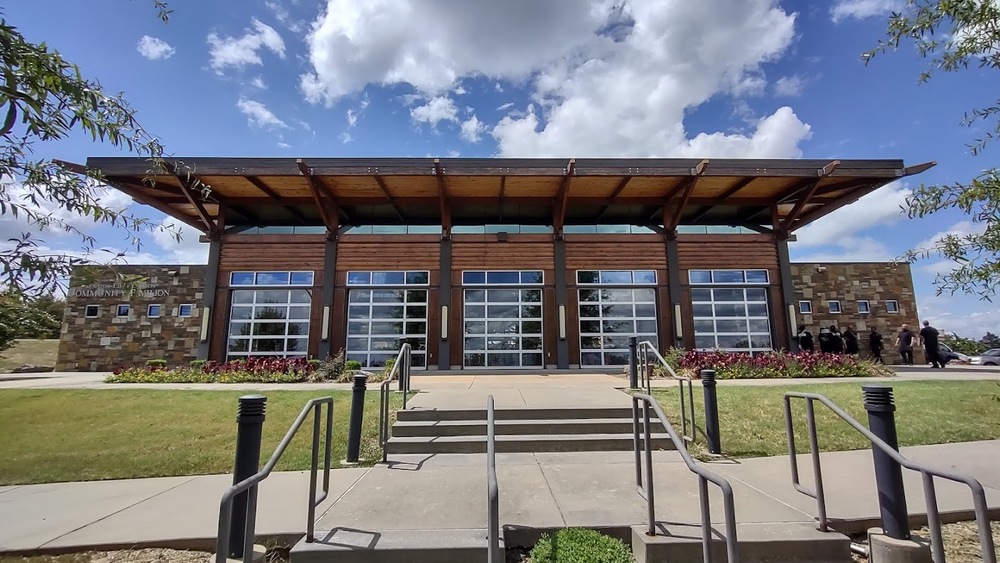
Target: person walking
x=929, y=339
x=904, y=343
x=851, y=341
x=825, y=341
x=836, y=340
x=805, y=339
x=875, y=344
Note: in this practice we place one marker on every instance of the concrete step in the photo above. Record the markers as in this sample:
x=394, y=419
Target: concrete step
x=771, y=542
x=522, y=413
x=514, y=427
x=520, y=443
x=347, y=545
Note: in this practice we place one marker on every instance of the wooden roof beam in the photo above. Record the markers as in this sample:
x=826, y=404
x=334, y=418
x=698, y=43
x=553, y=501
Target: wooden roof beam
x=918, y=168
x=722, y=198
x=611, y=199
x=686, y=189
x=388, y=197
x=331, y=220
x=443, y=200
x=803, y=200
x=189, y=184
x=562, y=200
x=260, y=185
x=836, y=204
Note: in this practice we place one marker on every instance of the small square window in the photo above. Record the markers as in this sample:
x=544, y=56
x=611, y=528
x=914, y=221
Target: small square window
x=863, y=307
x=834, y=306
x=302, y=278
x=805, y=307
x=123, y=310
x=184, y=310
x=153, y=311
x=92, y=311
x=700, y=276
x=892, y=306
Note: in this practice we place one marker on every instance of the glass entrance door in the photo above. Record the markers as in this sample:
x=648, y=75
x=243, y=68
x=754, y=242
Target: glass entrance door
x=382, y=308
x=502, y=321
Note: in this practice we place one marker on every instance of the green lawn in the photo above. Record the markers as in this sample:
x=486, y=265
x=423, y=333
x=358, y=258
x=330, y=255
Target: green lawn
x=52, y=435
x=29, y=351
x=751, y=419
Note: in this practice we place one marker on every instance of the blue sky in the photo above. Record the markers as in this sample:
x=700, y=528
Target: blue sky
x=735, y=78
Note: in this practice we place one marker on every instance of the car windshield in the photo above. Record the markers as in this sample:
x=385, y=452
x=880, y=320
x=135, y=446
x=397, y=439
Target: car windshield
x=992, y=352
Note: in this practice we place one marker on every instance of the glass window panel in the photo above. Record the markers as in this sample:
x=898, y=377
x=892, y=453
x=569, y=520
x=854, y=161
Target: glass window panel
x=587, y=276
x=511, y=278
x=473, y=278
x=503, y=360
x=417, y=278
x=241, y=313
x=863, y=307
x=298, y=312
x=475, y=295
x=416, y=296
x=531, y=327
x=758, y=341
x=699, y=276
x=728, y=294
x=728, y=276
x=475, y=311
x=590, y=342
x=617, y=310
x=384, y=344
x=388, y=278
x=501, y=343
x=756, y=294
x=358, y=312
x=360, y=296
x=416, y=328
x=418, y=344
x=531, y=277
x=615, y=358
x=531, y=295
x=648, y=327
x=270, y=312
x=531, y=359
x=612, y=342
x=644, y=276
x=704, y=325
x=645, y=310
x=243, y=296
x=389, y=229
x=475, y=360
x=756, y=276
x=701, y=294
x=590, y=295
x=590, y=311
x=272, y=296
x=502, y=296
x=616, y=277
x=387, y=296
x=730, y=310
x=379, y=360
x=501, y=327
x=239, y=345
x=475, y=327
x=272, y=278
x=502, y=311
x=357, y=344
x=360, y=358
x=241, y=278
x=760, y=325
x=590, y=326
x=733, y=341
x=613, y=229
x=619, y=327
x=299, y=296
x=359, y=278
x=387, y=312
x=269, y=329
x=531, y=311
x=590, y=358
x=702, y=310
x=644, y=295
x=532, y=343
x=731, y=325
x=240, y=329
x=267, y=345
x=704, y=341
x=475, y=343
x=355, y=327
x=616, y=295
x=416, y=312
x=383, y=327
x=302, y=278
x=757, y=309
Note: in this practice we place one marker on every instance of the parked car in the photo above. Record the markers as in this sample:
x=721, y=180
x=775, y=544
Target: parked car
x=990, y=357
x=949, y=355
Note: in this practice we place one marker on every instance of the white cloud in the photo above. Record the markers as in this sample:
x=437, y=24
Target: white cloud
x=504, y=107
x=282, y=15
x=960, y=229
x=790, y=86
x=153, y=48
x=879, y=208
x=435, y=111
x=460, y=91
x=258, y=115
x=472, y=129
x=352, y=118
x=861, y=9
x=238, y=52
x=947, y=314
x=345, y=137
x=847, y=249
x=258, y=82
x=186, y=251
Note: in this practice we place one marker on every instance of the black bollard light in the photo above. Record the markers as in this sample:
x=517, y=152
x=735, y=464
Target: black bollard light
x=633, y=360
x=357, y=417
x=888, y=474
x=711, y=411
x=249, y=428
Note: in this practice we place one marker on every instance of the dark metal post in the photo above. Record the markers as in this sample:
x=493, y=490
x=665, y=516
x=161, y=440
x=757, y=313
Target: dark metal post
x=402, y=367
x=249, y=428
x=357, y=417
x=888, y=474
x=711, y=411
x=633, y=358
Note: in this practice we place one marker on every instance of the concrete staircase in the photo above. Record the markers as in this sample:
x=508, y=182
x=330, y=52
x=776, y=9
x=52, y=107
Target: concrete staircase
x=567, y=429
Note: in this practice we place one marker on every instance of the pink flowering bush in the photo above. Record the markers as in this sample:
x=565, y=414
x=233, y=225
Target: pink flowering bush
x=250, y=370
x=777, y=364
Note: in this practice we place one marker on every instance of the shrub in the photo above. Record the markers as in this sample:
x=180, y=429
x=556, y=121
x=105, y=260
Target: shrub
x=156, y=363
x=352, y=365
x=197, y=364
x=250, y=370
x=779, y=364
x=332, y=369
x=576, y=545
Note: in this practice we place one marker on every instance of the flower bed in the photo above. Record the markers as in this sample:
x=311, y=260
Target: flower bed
x=768, y=365
x=251, y=370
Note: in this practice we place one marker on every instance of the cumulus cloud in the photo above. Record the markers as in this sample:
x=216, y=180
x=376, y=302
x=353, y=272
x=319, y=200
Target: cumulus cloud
x=847, y=248
x=238, y=52
x=286, y=19
x=187, y=250
x=258, y=115
x=436, y=110
x=879, y=208
x=258, y=82
x=947, y=314
x=790, y=86
x=153, y=48
x=861, y=9
x=472, y=129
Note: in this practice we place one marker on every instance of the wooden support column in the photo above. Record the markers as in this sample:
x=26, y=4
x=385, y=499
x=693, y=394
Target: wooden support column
x=670, y=336
x=326, y=298
x=788, y=340
x=208, y=297
x=444, y=302
x=562, y=304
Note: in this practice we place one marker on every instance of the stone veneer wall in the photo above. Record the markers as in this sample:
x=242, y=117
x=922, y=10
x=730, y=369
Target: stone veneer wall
x=848, y=283
x=108, y=341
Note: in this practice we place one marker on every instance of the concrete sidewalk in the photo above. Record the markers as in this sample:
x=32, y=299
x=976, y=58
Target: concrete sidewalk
x=537, y=491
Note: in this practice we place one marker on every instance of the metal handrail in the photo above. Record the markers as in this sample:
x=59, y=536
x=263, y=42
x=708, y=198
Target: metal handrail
x=927, y=473
x=251, y=483
x=645, y=347
x=704, y=476
x=401, y=369
x=493, y=490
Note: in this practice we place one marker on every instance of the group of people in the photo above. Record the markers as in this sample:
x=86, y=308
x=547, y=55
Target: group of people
x=832, y=341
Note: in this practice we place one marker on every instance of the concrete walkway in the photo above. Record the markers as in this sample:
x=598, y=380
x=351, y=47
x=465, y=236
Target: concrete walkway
x=449, y=491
